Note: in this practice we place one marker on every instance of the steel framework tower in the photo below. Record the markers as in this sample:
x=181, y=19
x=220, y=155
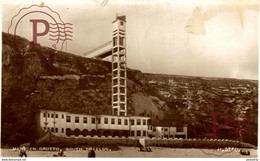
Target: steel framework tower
x=119, y=86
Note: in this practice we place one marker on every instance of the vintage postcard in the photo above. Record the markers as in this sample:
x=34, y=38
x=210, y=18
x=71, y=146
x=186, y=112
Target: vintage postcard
x=129, y=78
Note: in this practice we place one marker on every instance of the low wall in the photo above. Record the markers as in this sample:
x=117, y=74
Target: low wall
x=194, y=143
x=174, y=143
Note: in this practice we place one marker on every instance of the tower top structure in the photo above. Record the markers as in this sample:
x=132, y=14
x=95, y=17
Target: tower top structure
x=121, y=18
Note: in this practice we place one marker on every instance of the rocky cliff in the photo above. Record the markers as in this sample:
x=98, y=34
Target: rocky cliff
x=33, y=79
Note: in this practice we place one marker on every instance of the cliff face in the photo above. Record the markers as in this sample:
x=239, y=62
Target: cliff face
x=32, y=80
x=197, y=99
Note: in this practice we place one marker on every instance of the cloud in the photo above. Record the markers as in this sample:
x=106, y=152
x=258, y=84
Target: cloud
x=196, y=24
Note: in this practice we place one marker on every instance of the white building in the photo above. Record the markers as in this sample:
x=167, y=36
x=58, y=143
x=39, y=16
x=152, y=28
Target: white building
x=78, y=125
x=139, y=126
x=69, y=124
x=168, y=132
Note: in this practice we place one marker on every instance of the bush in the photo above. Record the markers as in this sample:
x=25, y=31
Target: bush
x=205, y=144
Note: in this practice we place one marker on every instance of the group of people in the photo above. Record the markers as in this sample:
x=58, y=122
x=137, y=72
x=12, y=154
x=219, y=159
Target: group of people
x=60, y=154
x=145, y=149
x=91, y=153
x=23, y=152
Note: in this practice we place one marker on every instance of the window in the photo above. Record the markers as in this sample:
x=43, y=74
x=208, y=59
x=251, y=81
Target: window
x=115, y=110
x=62, y=130
x=122, y=82
x=52, y=115
x=166, y=129
x=76, y=119
x=121, y=41
x=179, y=129
x=138, y=122
x=114, y=41
x=106, y=120
x=144, y=122
x=115, y=67
x=52, y=129
x=122, y=90
x=126, y=122
x=115, y=89
x=122, y=64
x=112, y=121
x=56, y=129
x=115, y=98
x=119, y=121
x=132, y=133
x=85, y=120
x=122, y=23
x=115, y=73
x=68, y=118
x=48, y=115
x=93, y=120
x=44, y=114
x=56, y=115
x=62, y=116
x=132, y=122
x=144, y=133
x=115, y=50
x=99, y=120
x=138, y=133
x=122, y=99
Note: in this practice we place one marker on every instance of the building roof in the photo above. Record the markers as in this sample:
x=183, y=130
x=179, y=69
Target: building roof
x=101, y=51
x=122, y=18
x=165, y=123
x=43, y=110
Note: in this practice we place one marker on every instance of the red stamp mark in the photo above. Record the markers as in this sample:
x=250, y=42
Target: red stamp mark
x=224, y=127
x=43, y=26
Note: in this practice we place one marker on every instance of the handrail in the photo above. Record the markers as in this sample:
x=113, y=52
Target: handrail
x=97, y=48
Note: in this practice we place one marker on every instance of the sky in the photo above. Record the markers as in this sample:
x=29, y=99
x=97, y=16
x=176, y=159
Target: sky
x=165, y=37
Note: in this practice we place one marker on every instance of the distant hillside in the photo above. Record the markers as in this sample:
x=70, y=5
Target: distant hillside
x=63, y=81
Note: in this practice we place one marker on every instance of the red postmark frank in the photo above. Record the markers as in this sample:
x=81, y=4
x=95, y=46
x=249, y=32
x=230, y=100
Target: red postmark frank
x=43, y=26
x=224, y=128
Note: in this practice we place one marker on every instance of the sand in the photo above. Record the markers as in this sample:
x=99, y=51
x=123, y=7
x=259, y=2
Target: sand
x=133, y=152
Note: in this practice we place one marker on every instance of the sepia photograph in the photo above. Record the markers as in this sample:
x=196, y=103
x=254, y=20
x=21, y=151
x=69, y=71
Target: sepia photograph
x=129, y=79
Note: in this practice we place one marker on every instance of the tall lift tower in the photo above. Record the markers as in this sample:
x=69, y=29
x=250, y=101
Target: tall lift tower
x=119, y=78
